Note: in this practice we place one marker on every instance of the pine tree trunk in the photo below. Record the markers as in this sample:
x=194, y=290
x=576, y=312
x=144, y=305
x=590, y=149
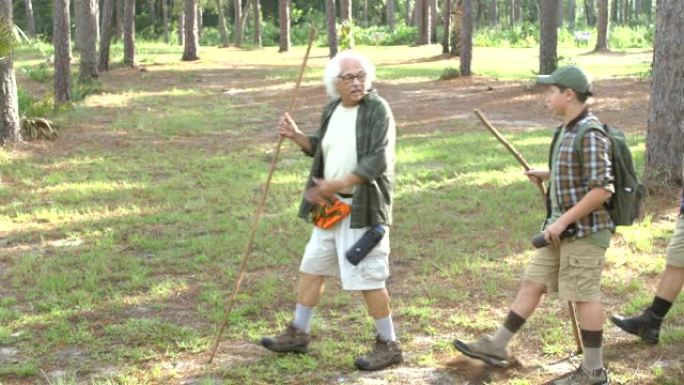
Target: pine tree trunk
x=391, y=15
x=332, y=28
x=284, y=38
x=76, y=4
x=223, y=29
x=457, y=16
x=165, y=21
x=665, y=136
x=61, y=38
x=602, y=28
x=407, y=8
x=10, y=125
x=346, y=11
x=493, y=13
x=433, y=21
x=200, y=21
x=88, y=33
x=548, y=50
x=129, y=32
x=447, y=26
x=366, y=21
x=559, y=19
x=30, y=22
x=181, y=28
x=257, y=23
x=572, y=14
x=118, y=32
x=106, y=38
x=590, y=12
x=191, y=37
x=466, y=38
x=238, y=22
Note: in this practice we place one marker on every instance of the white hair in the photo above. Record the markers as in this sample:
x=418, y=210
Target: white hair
x=334, y=67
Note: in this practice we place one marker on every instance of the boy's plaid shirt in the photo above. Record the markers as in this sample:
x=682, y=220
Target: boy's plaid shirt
x=574, y=177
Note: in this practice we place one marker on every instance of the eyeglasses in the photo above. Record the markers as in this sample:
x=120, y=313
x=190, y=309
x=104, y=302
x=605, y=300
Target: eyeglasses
x=349, y=78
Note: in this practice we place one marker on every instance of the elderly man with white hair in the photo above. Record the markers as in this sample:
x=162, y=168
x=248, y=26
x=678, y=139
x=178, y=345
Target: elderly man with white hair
x=349, y=193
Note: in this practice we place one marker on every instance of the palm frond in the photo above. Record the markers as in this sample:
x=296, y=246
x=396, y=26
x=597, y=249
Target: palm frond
x=7, y=38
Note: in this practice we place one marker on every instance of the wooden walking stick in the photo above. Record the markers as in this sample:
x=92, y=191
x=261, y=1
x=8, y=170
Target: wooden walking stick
x=523, y=162
x=260, y=208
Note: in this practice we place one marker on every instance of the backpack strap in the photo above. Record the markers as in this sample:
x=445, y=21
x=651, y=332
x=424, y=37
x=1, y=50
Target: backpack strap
x=577, y=145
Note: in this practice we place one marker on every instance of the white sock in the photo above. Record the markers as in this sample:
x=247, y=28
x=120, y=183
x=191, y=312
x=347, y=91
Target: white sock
x=385, y=328
x=303, y=317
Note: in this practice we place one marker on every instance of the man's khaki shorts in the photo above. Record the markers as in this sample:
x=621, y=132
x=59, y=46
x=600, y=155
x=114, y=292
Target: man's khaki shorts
x=675, y=249
x=325, y=255
x=573, y=270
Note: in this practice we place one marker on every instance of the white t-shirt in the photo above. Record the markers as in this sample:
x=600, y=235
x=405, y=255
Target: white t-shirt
x=339, y=144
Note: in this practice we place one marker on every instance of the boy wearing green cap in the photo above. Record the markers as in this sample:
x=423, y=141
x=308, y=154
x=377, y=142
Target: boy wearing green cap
x=578, y=230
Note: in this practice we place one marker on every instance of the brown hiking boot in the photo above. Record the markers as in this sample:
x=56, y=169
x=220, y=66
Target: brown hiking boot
x=484, y=350
x=384, y=354
x=291, y=340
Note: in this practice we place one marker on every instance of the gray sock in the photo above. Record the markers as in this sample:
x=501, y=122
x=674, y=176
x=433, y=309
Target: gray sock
x=385, y=328
x=303, y=316
x=593, y=358
x=502, y=337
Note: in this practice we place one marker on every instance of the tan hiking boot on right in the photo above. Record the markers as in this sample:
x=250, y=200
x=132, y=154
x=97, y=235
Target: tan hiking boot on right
x=484, y=350
x=291, y=340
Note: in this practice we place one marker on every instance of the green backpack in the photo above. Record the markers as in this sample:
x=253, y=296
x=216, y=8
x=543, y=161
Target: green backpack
x=625, y=204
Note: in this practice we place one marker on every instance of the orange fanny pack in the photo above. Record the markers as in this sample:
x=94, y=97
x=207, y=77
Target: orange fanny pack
x=328, y=216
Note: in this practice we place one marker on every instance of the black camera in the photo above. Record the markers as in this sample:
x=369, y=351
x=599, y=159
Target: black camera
x=539, y=241
x=365, y=244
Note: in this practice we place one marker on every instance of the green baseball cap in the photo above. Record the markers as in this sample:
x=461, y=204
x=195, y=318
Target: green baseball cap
x=571, y=77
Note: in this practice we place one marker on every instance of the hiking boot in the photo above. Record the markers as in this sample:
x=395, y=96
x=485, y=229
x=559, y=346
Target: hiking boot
x=291, y=340
x=484, y=350
x=584, y=377
x=646, y=325
x=384, y=354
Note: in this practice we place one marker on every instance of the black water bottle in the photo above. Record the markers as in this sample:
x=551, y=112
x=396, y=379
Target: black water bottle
x=365, y=244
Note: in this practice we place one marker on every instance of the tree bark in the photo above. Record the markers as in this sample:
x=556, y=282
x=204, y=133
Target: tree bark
x=602, y=28
x=664, y=140
x=466, y=38
x=257, y=22
x=223, y=29
x=61, y=38
x=238, y=22
x=346, y=11
x=181, y=28
x=559, y=19
x=191, y=37
x=457, y=15
x=391, y=15
x=332, y=28
x=493, y=13
x=118, y=32
x=284, y=38
x=433, y=21
x=424, y=32
x=76, y=4
x=407, y=8
x=590, y=12
x=10, y=125
x=129, y=32
x=200, y=20
x=88, y=34
x=572, y=14
x=106, y=37
x=165, y=20
x=548, y=50
x=30, y=22
x=366, y=21
x=447, y=26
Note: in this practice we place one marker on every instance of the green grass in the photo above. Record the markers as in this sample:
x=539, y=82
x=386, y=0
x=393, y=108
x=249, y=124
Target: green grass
x=119, y=252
